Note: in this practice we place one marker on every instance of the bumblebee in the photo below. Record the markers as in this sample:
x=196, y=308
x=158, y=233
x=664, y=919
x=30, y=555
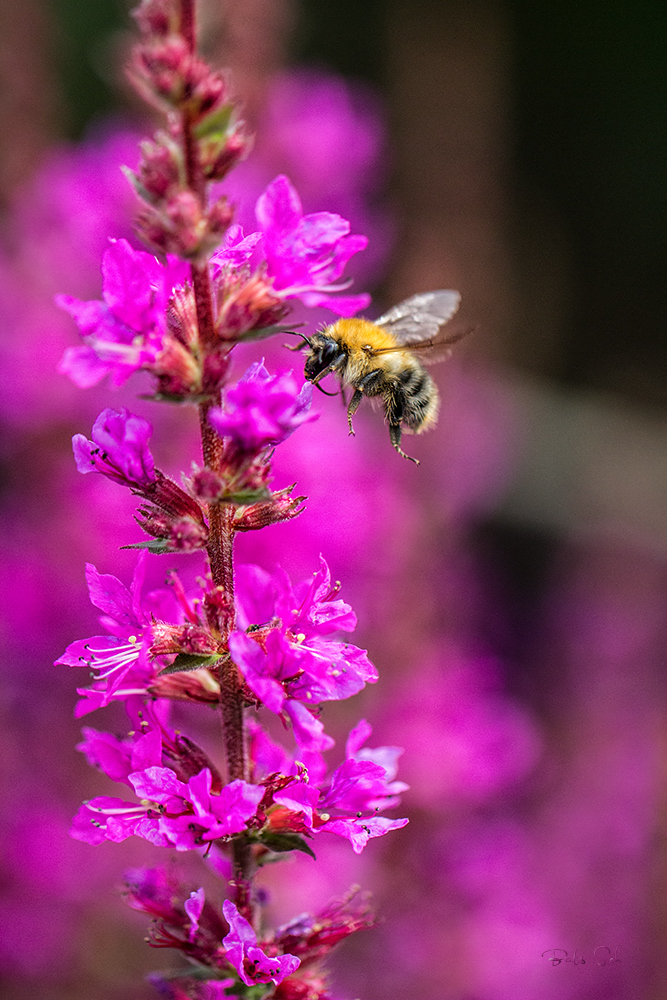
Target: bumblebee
x=378, y=360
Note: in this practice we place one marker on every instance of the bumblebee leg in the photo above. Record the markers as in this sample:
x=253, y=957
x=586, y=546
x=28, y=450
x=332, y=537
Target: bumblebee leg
x=357, y=397
x=395, y=438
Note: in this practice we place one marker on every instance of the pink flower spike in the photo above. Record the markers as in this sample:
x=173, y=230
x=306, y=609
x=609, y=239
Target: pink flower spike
x=250, y=961
x=306, y=254
x=119, y=449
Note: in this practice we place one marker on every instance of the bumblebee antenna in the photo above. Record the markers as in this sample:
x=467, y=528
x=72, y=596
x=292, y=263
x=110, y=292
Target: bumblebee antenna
x=304, y=340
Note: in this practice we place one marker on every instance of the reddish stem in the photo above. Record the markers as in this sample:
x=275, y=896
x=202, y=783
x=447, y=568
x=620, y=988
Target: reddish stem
x=187, y=24
x=221, y=529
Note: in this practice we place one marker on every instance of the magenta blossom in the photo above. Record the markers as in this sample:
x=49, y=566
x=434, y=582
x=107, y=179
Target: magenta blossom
x=119, y=449
x=303, y=255
x=127, y=329
x=120, y=661
x=111, y=657
x=262, y=409
x=170, y=813
x=306, y=254
x=287, y=662
x=348, y=803
x=250, y=961
x=146, y=633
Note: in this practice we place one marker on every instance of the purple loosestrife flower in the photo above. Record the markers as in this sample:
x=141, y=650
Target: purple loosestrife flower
x=171, y=813
x=120, y=661
x=286, y=661
x=119, y=449
x=306, y=254
x=250, y=961
x=262, y=409
x=127, y=330
x=348, y=803
x=145, y=635
x=303, y=255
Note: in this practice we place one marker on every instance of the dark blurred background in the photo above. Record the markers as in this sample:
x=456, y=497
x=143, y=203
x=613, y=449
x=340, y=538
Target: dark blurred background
x=526, y=167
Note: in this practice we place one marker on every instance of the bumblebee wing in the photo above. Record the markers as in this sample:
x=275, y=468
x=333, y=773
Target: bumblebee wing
x=418, y=324
x=420, y=317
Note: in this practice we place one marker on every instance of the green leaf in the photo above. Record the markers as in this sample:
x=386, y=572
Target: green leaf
x=215, y=124
x=139, y=188
x=245, y=497
x=282, y=842
x=158, y=546
x=185, y=662
x=200, y=973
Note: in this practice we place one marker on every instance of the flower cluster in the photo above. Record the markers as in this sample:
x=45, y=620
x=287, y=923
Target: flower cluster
x=181, y=800
x=227, y=949
x=241, y=638
x=165, y=644
x=302, y=256
x=147, y=316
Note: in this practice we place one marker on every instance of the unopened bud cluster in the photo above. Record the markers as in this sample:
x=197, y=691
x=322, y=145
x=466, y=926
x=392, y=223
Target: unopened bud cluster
x=171, y=174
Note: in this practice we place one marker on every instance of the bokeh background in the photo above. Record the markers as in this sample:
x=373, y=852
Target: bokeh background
x=511, y=590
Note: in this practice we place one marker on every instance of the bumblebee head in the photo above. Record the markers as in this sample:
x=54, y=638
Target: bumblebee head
x=323, y=355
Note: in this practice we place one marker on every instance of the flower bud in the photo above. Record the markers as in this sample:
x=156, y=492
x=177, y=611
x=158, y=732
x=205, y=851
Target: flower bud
x=220, y=217
x=169, y=497
x=281, y=507
x=160, y=69
x=182, y=316
x=193, y=685
x=206, y=485
x=178, y=370
x=188, y=638
x=187, y=221
x=188, y=759
x=218, y=160
x=208, y=88
x=249, y=304
x=160, y=167
x=157, y=17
